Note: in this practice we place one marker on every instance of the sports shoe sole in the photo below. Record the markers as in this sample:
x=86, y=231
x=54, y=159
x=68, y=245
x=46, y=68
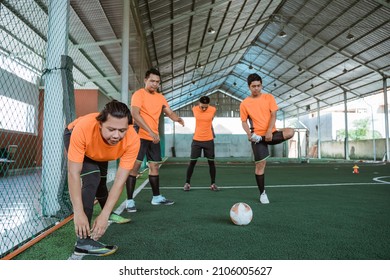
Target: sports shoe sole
x=163, y=203
x=131, y=210
x=82, y=252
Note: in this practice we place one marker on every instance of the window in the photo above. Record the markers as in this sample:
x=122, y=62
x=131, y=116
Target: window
x=17, y=116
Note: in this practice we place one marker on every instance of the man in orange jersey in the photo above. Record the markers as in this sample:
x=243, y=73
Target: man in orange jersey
x=203, y=140
x=260, y=110
x=93, y=140
x=146, y=107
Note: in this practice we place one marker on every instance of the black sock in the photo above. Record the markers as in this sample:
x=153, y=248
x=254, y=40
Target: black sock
x=130, y=186
x=260, y=182
x=155, y=184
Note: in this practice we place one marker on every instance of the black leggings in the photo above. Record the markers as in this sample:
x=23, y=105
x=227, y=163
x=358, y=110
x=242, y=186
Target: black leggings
x=191, y=167
x=93, y=180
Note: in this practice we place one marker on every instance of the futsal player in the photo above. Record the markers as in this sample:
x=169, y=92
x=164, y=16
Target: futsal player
x=147, y=104
x=258, y=117
x=203, y=140
x=92, y=141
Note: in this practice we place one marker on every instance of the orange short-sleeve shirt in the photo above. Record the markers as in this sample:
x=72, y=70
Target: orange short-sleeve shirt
x=204, y=127
x=86, y=140
x=258, y=110
x=151, y=106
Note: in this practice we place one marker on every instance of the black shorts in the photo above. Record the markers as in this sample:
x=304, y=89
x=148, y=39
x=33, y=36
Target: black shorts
x=151, y=150
x=260, y=150
x=206, y=146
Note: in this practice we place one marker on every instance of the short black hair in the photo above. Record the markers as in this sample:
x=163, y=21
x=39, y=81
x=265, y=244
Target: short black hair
x=254, y=77
x=116, y=109
x=204, y=100
x=153, y=71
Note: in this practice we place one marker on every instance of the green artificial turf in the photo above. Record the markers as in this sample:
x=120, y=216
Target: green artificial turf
x=317, y=212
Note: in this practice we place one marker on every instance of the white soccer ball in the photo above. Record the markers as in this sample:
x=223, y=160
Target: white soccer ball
x=241, y=214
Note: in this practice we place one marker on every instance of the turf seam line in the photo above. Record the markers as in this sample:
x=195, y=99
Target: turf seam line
x=284, y=186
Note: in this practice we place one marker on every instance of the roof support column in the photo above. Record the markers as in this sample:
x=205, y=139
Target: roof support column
x=53, y=124
x=386, y=109
x=125, y=52
x=318, y=130
x=285, y=144
x=299, y=137
x=346, y=145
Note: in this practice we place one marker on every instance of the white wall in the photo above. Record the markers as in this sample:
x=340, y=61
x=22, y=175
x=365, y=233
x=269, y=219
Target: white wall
x=230, y=139
x=225, y=145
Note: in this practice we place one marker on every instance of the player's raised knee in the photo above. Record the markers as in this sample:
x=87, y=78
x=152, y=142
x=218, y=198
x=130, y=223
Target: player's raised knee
x=288, y=133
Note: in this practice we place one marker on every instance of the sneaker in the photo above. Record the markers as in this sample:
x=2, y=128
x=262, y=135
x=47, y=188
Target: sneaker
x=115, y=218
x=264, y=198
x=161, y=200
x=130, y=206
x=187, y=187
x=91, y=247
x=214, y=187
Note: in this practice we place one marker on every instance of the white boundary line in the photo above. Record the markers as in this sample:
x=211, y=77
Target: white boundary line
x=378, y=179
x=289, y=186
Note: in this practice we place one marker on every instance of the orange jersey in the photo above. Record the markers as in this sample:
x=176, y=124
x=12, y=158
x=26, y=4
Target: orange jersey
x=258, y=111
x=204, y=127
x=86, y=140
x=151, y=106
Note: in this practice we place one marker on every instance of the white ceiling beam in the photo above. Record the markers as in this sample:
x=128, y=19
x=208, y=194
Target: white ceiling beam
x=201, y=9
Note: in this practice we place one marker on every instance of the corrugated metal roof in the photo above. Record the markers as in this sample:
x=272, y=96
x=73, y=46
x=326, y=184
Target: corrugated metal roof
x=246, y=40
x=207, y=46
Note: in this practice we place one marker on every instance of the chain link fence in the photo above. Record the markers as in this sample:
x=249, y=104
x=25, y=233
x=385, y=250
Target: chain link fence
x=33, y=191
